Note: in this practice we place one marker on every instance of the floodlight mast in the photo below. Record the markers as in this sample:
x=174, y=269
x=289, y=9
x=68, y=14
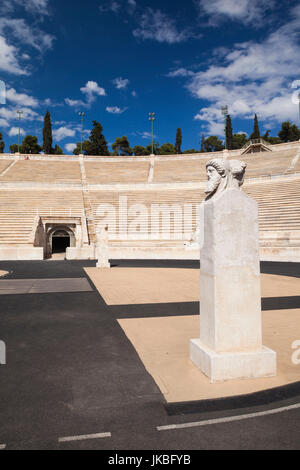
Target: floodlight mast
x=19, y=112
x=81, y=114
x=152, y=119
x=224, y=111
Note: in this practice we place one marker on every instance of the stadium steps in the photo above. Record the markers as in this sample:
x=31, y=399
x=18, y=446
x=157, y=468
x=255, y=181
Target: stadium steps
x=18, y=211
x=43, y=172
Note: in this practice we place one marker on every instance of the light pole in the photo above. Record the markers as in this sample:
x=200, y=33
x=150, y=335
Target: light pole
x=81, y=114
x=224, y=111
x=152, y=119
x=19, y=112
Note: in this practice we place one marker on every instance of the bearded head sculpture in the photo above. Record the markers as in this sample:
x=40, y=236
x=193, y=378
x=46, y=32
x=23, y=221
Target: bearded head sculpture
x=223, y=174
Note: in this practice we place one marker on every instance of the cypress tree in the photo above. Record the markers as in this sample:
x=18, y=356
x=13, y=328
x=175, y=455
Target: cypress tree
x=2, y=144
x=202, y=150
x=178, y=141
x=229, y=135
x=256, y=133
x=47, y=134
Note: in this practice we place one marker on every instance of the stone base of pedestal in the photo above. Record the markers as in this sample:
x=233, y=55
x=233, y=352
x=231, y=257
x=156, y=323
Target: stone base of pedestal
x=227, y=366
x=103, y=265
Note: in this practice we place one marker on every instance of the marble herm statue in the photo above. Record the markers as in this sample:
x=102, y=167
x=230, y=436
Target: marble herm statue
x=230, y=344
x=102, y=252
x=223, y=174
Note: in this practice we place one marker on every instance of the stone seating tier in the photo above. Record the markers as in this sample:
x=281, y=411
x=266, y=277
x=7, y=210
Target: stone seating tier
x=18, y=210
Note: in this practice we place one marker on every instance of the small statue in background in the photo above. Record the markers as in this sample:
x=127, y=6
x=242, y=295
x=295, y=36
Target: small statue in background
x=102, y=250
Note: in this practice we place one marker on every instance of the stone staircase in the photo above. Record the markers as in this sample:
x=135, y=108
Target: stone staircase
x=279, y=204
x=116, y=172
x=38, y=171
x=18, y=211
x=15, y=226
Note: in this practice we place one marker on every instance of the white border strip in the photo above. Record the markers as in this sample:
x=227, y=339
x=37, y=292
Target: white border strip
x=84, y=437
x=228, y=419
x=2, y=446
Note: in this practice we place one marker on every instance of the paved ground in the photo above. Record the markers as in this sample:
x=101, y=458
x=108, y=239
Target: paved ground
x=72, y=371
x=161, y=336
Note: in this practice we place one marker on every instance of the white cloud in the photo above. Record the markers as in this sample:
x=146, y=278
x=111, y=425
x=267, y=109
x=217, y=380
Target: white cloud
x=120, y=82
x=9, y=113
x=15, y=131
x=145, y=135
x=131, y=6
x=63, y=132
x=91, y=90
x=85, y=132
x=117, y=6
x=16, y=33
x=134, y=93
x=245, y=11
x=3, y=123
x=21, y=98
x=111, y=6
x=50, y=103
x=9, y=59
x=2, y=92
x=26, y=34
x=70, y=147
x=254, y=77
x=156, y=25
x=115, y=110
x=181, y=72
x=32, y=6
x=75, y=103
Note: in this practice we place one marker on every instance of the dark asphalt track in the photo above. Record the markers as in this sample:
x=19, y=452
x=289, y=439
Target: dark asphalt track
x=72, y=371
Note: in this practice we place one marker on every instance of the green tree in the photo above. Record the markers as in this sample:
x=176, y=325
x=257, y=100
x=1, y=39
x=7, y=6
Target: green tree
x=167, y=149
x=13, y=148
x=190, y=151
x=229, y=134
x=155, y=148
x=47, y=134
x=274, y=140
x=30, y=145
x=58, y=150
x=121, y=146
x=139, y=150
x=271, y=140
x=289, y=132
x=2, y=144
x=256, y=132
x=238, y=141
x=213, y=144
x=178, y=142
x=96, y=144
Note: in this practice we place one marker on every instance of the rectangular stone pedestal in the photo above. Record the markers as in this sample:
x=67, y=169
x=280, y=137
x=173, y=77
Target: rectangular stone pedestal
x=103, y=265
x=232, y=365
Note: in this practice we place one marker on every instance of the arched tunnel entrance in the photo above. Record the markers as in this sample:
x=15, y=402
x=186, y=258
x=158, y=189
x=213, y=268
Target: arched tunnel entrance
x=60, y=241
x=59, y=238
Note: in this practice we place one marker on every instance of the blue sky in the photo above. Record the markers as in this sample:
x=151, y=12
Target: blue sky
x=118, y=60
